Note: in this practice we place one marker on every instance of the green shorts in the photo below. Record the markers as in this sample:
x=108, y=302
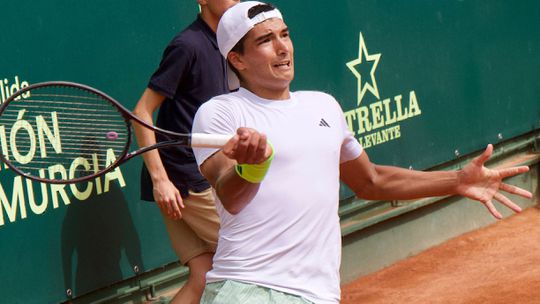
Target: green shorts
x=234, y=292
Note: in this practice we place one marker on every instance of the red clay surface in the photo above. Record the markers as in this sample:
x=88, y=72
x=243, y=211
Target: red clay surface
x=496, y=264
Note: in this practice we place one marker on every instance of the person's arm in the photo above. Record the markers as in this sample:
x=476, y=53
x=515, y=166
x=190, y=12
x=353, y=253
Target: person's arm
x=474, y=181
x=246, y=147
x=165, y=193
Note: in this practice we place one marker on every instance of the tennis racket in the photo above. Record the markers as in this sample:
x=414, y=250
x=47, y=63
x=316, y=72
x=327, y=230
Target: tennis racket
x=62, y=132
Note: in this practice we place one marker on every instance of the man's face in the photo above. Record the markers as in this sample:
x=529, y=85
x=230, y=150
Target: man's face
x=267, y=60
x=218, y=7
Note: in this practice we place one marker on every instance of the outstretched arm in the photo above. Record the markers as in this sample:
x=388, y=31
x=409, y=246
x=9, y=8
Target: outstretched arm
x=474, y=181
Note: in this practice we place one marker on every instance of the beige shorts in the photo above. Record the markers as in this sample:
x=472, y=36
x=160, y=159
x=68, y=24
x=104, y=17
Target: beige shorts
x=197, y=231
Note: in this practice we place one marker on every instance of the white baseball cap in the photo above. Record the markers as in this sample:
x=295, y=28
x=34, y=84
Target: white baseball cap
x=234, y=25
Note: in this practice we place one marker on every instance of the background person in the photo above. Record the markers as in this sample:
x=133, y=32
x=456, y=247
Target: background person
x=191, y=71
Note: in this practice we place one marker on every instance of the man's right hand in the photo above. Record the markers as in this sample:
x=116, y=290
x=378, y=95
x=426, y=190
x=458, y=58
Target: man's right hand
x=248, y=147
x=168, y=199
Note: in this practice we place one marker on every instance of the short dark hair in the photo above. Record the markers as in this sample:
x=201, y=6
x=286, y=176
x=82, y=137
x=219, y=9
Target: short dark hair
x=260, y=8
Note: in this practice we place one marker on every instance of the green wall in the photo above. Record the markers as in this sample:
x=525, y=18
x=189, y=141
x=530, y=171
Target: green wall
x=431, y=81
x=86, y=245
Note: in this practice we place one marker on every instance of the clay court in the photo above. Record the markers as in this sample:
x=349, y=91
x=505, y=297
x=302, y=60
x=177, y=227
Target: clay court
x=496, y=264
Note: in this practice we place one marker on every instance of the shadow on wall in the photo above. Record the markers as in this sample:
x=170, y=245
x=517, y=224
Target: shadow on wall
x=94, y=234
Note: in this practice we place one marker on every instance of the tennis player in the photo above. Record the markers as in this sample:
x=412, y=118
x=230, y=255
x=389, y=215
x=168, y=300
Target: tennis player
x=191, y=71
x=277, y=179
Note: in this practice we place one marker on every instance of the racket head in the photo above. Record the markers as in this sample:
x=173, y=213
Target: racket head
x=63, y=132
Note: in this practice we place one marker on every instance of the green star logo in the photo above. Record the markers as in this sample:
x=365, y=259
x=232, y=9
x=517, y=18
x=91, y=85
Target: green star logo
x=367, y=84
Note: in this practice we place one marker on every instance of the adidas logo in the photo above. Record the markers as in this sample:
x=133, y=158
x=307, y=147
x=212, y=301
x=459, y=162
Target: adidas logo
x=323, y=123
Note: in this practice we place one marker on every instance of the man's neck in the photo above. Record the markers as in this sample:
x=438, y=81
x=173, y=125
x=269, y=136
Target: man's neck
x=208, y=18
x=266, y=93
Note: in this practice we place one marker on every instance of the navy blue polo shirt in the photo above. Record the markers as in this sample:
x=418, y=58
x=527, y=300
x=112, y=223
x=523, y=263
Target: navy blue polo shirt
x=191, y=72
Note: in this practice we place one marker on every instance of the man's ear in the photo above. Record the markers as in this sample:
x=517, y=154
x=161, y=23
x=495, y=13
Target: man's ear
x=202, y=2
x=236, y=60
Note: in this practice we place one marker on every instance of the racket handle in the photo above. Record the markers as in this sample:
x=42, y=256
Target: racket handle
x=201, y=140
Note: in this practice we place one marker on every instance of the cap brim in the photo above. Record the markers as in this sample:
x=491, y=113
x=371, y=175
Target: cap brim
x=232, y=79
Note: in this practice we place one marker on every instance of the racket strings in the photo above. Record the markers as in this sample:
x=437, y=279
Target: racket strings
x=14, y=112
x=65, y=130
